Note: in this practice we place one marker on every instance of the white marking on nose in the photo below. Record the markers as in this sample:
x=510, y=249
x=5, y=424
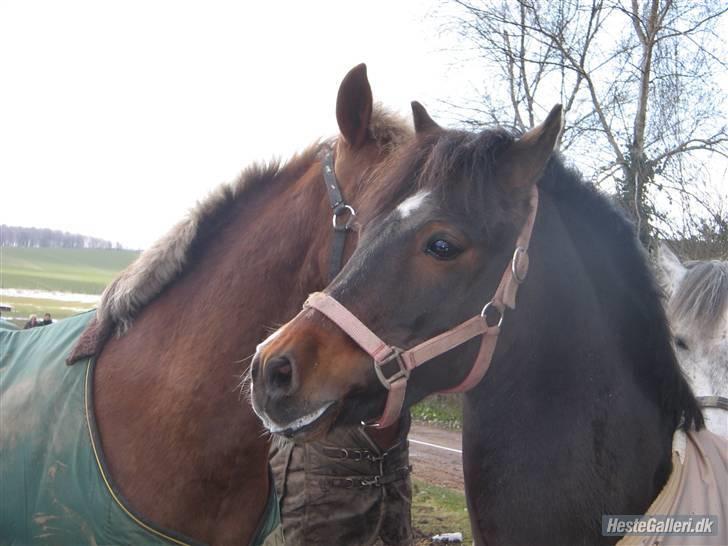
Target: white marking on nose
x=412, y=203
x=301, y=422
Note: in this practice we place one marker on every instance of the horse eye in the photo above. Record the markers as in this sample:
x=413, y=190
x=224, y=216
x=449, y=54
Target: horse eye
x=442, y=249
x=680, y=343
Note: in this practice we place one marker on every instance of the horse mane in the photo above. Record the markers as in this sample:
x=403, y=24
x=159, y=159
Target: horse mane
x=635, y=303
x=162, y=263
x=702, y=296
x=440, y=160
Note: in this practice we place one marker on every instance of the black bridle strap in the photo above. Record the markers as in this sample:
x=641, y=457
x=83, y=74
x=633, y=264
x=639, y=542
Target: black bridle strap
x=336, y=258
x=339, y=207
x=336, y=200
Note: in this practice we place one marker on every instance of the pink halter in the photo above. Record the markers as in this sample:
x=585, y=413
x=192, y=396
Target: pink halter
x=385, y=355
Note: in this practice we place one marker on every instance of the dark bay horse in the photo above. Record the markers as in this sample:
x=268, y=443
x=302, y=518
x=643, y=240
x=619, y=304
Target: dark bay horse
x=173, y=332
x=576, y=415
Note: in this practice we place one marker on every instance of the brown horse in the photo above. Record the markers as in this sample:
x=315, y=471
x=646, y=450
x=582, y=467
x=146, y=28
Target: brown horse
x=576, y=415
x=181, y=445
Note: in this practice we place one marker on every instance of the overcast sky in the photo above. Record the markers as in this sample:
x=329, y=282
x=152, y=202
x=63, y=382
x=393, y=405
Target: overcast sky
x=116, y=116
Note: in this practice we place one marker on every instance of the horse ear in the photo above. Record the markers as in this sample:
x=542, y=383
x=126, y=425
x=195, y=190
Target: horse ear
x=523, y=162
x=423, y=121
x=354, y=106
x=670, y=270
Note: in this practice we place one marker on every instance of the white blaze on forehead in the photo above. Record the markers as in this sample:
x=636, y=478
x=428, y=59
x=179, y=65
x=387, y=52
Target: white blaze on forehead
x=412, y=203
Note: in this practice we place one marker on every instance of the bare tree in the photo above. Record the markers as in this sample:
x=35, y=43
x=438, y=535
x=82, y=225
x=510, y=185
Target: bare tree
x=641, y=88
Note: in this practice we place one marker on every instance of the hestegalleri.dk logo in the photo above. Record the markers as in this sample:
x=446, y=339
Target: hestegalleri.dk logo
x=624, y=525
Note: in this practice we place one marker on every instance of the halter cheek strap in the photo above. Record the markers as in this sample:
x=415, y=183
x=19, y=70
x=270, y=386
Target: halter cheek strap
x=343, y=213
x=393, y=365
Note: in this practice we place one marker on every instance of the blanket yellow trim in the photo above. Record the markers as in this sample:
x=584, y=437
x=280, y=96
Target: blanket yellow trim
x=87, y=411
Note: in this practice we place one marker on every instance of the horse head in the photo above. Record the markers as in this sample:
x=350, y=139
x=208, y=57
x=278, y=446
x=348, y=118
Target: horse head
x=697, y=308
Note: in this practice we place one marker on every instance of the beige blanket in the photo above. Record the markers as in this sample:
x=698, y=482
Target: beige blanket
x=697, y=486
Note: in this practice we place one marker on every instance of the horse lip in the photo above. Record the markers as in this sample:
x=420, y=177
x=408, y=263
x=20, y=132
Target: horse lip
x=308, y=421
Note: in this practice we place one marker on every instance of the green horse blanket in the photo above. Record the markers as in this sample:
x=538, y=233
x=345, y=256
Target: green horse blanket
x=54, y=487
x=5, y=325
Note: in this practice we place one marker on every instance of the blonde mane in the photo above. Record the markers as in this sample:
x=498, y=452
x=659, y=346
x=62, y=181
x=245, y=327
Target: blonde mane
x=159, y=265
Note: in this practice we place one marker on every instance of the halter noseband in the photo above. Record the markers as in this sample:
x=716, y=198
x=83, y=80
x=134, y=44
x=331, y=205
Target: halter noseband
x=340, y=209
x=393, y=365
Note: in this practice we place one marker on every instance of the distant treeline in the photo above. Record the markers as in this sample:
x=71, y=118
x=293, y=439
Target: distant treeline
x=29, y=237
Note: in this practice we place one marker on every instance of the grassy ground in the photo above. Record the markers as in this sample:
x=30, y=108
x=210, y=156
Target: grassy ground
x=443, y=410
x=84, y=271
x=437, y=510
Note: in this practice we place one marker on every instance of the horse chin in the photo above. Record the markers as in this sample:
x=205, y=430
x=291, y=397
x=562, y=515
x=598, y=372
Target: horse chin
x=313, y=426
x=361, y=406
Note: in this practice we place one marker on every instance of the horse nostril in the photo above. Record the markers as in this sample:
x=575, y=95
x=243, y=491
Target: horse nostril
x=279, y=375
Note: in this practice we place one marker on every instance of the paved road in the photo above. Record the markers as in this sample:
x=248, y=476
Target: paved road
x=435, y=456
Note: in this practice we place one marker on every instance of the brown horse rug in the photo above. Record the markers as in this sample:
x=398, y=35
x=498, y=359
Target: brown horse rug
x=54, y=486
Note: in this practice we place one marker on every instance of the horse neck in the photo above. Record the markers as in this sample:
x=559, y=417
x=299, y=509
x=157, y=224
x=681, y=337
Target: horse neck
x=210, y=319
x=558, y=432
x=178, y=369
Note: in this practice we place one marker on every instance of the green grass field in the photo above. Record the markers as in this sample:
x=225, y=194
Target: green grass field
x=83, y=271
x=24, y=307
x=75, y=270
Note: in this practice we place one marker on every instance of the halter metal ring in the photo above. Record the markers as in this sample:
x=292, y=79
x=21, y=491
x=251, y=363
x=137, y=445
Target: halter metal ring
x=343, y=212
x=520, y=252
x=485, y=310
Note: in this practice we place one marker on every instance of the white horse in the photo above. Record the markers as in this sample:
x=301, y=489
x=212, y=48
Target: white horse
x=697, y=307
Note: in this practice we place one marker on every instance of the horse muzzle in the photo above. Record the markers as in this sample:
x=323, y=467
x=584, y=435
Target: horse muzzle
x=299, y=378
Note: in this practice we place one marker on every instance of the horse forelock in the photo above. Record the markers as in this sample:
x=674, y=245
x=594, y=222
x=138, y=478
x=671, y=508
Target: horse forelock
x=456, y=166
x=388, y=129
x=701, y=299
x=159, y=265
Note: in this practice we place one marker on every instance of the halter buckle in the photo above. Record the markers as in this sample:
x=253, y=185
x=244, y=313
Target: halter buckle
x=401, y=372
x=343, y=210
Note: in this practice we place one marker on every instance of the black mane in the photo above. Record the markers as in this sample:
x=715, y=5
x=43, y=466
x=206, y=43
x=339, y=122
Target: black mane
x=633, y=297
